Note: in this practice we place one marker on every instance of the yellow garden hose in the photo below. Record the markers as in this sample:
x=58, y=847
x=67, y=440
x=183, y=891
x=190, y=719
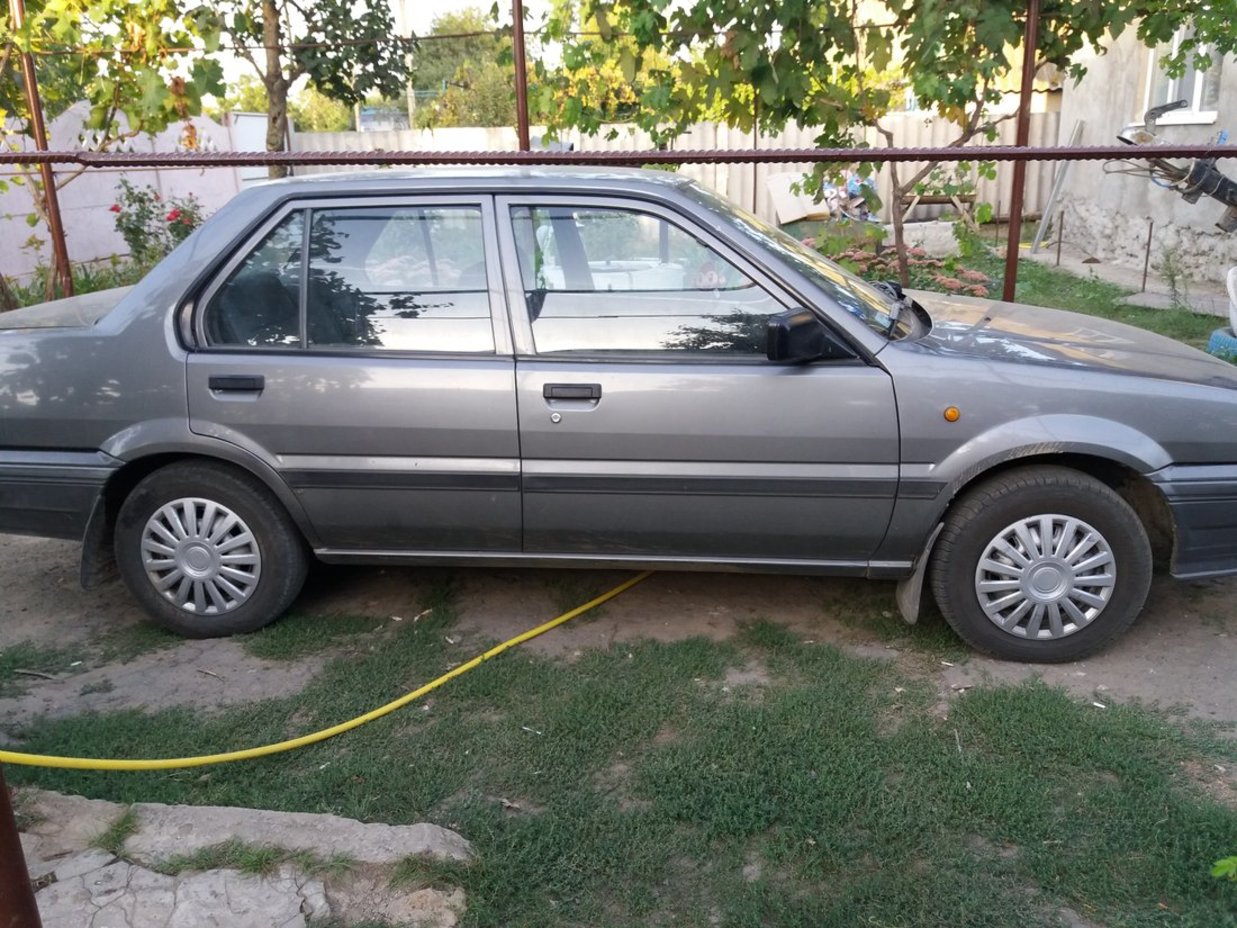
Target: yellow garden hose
x=169, y=763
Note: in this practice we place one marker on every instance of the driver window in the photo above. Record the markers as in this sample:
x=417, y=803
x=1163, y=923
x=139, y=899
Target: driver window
x=619, y=280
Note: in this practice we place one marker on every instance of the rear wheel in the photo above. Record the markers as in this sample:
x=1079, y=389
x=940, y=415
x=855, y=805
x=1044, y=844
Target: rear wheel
x=208, y=551
x=1041, y=564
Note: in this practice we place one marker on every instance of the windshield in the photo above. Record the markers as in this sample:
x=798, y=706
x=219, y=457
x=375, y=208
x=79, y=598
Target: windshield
x=855, y=296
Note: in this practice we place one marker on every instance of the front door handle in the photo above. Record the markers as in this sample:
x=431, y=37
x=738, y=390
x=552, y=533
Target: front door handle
x=237, y=383
x=571, y=391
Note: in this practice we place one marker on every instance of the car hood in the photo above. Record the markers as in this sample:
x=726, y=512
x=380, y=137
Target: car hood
x=71, y=312
x=1018, y=333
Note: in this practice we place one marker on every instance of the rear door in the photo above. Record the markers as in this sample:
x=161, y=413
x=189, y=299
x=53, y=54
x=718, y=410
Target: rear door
x=361, y=348
x=652, y=423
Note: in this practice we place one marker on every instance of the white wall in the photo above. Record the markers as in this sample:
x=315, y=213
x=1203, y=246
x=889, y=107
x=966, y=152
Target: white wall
x=90, y=229
x=1107, y=215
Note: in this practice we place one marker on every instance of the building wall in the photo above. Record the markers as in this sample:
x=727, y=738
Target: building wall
x=90, y=228
x=1107, y=215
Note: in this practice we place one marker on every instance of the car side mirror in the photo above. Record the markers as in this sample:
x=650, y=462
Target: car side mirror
x=798, y=336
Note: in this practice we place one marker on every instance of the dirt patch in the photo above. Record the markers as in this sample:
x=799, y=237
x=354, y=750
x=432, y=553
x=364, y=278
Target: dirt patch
x=752, y=674
x=1218, y=781
x=666, y=607
x=1182, y=652
x=43, y=601
x=201, y=674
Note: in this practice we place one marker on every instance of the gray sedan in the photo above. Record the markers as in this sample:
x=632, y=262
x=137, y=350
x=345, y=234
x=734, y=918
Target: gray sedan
x=581, y=368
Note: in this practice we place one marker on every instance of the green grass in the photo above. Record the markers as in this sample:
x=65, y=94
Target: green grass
x=123, y=643
x=629, y=786
x=115, y=646
x=113, y=838
x=296, y=636
x=870, y=607
x=1040, y=285
x=37, y=659
x=256, y=859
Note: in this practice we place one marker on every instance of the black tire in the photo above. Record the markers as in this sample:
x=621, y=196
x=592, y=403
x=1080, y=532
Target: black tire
x=272, y=581
x=984, y=513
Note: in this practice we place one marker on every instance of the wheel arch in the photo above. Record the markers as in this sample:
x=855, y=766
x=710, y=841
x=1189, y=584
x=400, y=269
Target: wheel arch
x=1133, y=486
x=98, y=560
x=1118, y=472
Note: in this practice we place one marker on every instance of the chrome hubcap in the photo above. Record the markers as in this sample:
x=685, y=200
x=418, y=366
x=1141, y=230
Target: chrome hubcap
x=1045, y=577
x=201, y=556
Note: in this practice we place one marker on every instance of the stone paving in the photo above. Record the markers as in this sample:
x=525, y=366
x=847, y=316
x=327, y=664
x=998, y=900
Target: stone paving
x=84, y=887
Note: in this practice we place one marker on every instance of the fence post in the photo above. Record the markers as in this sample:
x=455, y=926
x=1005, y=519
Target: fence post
x=1030, y=43
x=17, y=906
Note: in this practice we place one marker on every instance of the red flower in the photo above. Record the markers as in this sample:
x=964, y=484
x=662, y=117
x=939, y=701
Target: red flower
x=173, y=215
x=115, y=207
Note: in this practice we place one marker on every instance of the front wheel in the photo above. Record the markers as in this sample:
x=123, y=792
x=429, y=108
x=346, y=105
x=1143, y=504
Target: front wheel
x=1041, y=564
x=208, y=551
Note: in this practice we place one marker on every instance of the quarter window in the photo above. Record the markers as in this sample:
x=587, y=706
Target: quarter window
x=257, y=305
x=626, y=281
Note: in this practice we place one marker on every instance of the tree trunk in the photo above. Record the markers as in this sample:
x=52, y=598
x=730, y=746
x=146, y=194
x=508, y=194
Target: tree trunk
x=276, y=86
x=899, y=233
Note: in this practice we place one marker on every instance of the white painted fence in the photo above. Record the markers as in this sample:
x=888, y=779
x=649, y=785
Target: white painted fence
x=90, y=228
x=744, y=183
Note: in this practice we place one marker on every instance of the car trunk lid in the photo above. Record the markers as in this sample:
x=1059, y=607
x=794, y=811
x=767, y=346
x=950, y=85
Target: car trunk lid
x=70, y=312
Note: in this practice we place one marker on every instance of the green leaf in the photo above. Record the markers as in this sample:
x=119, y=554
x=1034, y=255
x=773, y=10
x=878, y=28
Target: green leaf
x=627, y=64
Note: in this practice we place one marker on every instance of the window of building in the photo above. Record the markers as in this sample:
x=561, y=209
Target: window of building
x=1199, y=88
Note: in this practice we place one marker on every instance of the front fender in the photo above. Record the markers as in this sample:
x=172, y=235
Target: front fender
x=925, y=490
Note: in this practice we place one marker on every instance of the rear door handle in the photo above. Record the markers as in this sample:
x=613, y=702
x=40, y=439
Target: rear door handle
x=571, y=391
x=237, y=383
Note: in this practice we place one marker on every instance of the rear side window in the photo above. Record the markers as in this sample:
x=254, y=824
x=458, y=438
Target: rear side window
x=377, y=278
x=600, y=280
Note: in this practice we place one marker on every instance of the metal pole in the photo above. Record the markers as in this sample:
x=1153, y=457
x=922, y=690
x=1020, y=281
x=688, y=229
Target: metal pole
x=1060, y=234
x=1030, y=42
x=521, y=75
x=200, y=159
x=1147, y=254
x=17, y=906
x=60, y=250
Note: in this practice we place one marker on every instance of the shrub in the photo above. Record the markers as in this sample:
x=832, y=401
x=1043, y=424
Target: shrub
x=151, y=225
x=926, y=272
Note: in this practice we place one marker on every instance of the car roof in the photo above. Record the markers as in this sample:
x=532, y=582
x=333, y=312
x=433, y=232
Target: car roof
x=480, y=177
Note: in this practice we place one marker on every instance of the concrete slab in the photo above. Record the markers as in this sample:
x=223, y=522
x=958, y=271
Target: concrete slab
x=90, y=888
x=166, y=831
x=123, y=895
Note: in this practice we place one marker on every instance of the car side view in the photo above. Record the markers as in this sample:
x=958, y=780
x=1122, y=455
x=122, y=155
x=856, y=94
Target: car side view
x=574, y=367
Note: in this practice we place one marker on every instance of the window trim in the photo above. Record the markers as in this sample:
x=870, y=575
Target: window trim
x=306, y=206
x=688, y=225
x=1192, y=115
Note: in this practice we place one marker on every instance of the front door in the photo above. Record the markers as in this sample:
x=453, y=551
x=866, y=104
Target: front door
x=651, y=422
x=356, y=350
